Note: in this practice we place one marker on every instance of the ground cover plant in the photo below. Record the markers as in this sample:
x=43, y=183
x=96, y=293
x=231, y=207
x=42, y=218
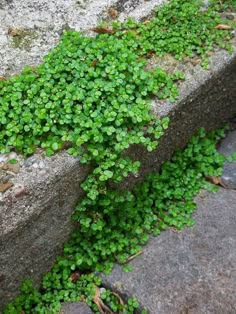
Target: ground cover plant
x=92, y=96
x=114, y=228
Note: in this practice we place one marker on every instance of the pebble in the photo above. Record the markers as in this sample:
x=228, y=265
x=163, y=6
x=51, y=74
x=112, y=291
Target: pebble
x=3, y=158
x=30, y=161
x=41, y=164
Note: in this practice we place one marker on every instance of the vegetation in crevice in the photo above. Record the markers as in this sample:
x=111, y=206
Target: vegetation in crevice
x=114, y=228
x=92, y=95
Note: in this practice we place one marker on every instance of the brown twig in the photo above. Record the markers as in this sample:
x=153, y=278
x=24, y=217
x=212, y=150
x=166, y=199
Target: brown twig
x=102, y=307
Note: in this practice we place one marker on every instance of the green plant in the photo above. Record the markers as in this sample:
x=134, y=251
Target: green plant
x=93, y=96
x=116, y=225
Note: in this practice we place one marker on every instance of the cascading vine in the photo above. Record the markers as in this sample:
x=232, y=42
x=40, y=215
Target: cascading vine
x=92, y=96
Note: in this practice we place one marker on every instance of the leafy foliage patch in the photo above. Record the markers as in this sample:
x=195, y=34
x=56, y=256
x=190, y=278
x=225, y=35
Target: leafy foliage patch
x=116, y=225
x=92, y=95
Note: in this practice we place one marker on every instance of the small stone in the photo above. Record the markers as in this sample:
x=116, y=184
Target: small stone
x=20, y=191
x=35, y=165
x=3, y=158
x=12, y=155
x=30, y=161
x=75, y=308
x=41, y=164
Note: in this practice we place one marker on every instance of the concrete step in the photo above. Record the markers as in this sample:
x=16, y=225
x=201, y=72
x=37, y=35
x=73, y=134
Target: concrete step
x=75, y=308
x=35, y=212
x=192, y=271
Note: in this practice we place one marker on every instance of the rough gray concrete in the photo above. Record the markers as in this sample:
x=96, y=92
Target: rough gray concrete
x=35, y=220
x=35, y=211
x=29, y=29
x=191, y=272
x=75, y=308
x=207, y=99
x=228, y=147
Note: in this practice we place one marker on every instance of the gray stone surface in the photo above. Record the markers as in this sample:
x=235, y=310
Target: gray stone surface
x=75, y=308
x=228, y=144
x=228, y=147
x=35, y=212
x=188, y=272
x=35, y=220
x=42, y=22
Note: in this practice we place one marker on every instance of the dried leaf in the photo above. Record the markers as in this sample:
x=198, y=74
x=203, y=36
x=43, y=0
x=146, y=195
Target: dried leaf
x=102, y=30
x=133, y=256
x=146, y=22
x=218, y=181
x=150, y=54
x=5, y=186
x=223, y=26
x=118, y=297
x=92, y=64
x=2, y=277
x=214, y=180
x=2, y=78
x=75, y=276
x=102, y=307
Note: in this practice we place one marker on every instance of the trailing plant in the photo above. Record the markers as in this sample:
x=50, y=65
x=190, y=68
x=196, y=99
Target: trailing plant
x=93, y=94
x=116, y=226
x=92, y=97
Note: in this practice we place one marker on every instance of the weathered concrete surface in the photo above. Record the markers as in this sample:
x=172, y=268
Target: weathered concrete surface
x=40, y=24
x=188, y=272
x=228, y=147
x=35, y=220
x=75, y=308
x=33, y=225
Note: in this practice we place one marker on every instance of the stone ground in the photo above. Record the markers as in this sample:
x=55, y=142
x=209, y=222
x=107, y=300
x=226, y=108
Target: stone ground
x=191, y=272
x=75, y=308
